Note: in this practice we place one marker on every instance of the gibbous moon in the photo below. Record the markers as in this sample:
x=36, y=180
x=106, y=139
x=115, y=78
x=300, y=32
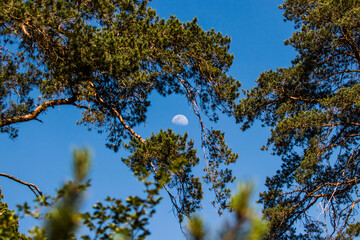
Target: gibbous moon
x=180, y=120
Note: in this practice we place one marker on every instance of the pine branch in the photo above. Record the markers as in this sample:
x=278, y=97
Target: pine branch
x=34, y=114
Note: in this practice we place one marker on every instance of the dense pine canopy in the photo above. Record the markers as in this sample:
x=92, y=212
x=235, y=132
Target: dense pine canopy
x=312, y=108
x=105, y=58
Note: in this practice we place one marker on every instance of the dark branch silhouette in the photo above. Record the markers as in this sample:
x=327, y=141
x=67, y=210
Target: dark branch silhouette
x=32, y=187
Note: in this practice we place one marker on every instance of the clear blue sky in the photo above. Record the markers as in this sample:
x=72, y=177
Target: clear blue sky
x=43, y=151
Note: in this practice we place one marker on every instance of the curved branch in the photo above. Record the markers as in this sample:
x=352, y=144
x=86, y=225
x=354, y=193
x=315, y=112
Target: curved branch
x=133, y=133
x=41, y=108
x=32, y=187
x=118, y=115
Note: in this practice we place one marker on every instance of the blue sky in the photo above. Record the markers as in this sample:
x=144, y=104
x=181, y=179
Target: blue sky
x=43, y=151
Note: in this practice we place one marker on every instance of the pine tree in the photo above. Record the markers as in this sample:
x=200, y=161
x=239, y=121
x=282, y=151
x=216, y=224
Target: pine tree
x=9, y=223
x=312, y=108
x=105, y=58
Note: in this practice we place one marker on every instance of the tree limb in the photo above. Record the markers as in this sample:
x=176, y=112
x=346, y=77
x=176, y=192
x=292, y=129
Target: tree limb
x=34, y=114
x=32, y=187
x=132, y=132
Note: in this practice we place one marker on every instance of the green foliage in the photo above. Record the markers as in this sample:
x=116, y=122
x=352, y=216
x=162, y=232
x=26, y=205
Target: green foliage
x=9, y=224
x=110, y=219
x=171, y=158
x=195, y=228
x=247, y=225
x=312, y=109
x=106, y=58
x=63, y=219
x=219, y=154
x=115, y=219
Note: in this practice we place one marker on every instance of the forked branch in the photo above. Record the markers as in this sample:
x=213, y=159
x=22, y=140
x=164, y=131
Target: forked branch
x=32, y=187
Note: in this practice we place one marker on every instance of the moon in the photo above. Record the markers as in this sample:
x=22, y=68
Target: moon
x=180, y=120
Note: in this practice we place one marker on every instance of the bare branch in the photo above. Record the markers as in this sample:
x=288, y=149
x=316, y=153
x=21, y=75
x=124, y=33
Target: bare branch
x=32, y=187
